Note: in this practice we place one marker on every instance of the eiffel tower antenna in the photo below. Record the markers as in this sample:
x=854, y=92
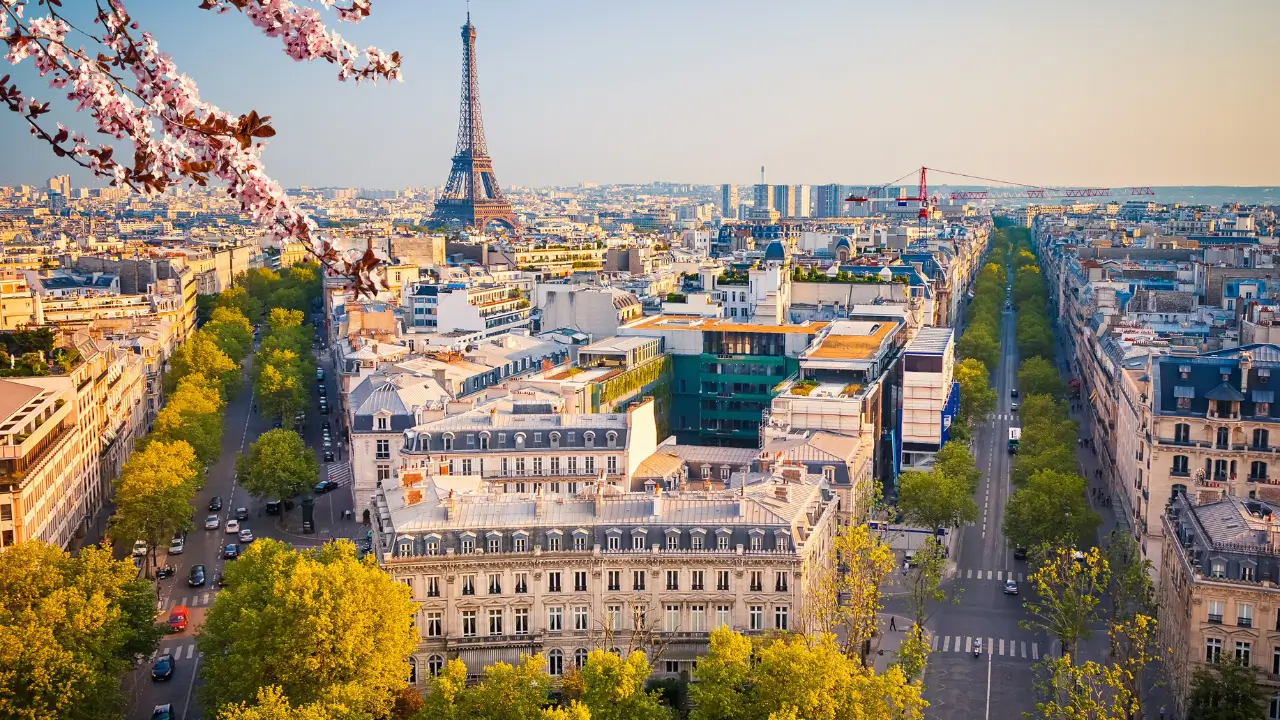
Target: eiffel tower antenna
x=472, y=196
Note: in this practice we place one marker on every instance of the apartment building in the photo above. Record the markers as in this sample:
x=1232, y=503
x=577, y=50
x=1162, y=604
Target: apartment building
x=597, y=311
x=1218, y=591
x=489, y=308
x=499, y=575
x=63, y=439
x=930, y=395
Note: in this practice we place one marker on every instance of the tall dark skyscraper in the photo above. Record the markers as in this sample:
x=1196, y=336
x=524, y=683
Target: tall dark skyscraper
x=472, y=196
x=829, y=201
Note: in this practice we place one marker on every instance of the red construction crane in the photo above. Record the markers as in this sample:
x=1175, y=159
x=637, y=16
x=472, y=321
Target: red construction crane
x=1025, y=191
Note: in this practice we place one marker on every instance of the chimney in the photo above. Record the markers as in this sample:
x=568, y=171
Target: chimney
x=1246, y=362
x=792, y=473
x=599, y=498
x=657, y=501
x=782, y=492
x=412, y=497
x=451, y=504
x=538, y=506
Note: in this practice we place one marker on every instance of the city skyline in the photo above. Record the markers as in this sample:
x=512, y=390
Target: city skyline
x=566, y=103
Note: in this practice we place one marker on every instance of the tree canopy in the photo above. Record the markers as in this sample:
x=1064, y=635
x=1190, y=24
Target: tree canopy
x=154, y=494
x=1050, y=508
x=193, y=414
x=278, y=465
x=935, y=500
x=201, y=355
x=1037, y=376
x=1226, y=690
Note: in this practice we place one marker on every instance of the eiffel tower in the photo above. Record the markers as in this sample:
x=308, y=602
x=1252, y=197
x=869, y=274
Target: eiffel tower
x=472, y=197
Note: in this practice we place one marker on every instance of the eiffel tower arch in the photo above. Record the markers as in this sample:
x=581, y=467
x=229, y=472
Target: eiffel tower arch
x=472, y=196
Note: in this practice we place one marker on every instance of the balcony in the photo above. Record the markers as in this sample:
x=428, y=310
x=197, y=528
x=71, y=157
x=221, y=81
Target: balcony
x=1215, y=619
x=1244, y=622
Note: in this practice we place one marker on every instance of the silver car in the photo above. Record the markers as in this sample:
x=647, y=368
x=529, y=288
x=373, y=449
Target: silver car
x=211, y=522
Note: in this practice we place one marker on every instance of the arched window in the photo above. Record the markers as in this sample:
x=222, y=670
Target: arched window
x=1182, y=433
x=555, y=663
x=435, y=665
x=413, y=670
x=612, y=438
x=1176, y=489
x=589, y=438
x=448, y=441
x=1261, y=438
x=580, y=658
x=555, y=439
x=519, y=441
x=484, y=441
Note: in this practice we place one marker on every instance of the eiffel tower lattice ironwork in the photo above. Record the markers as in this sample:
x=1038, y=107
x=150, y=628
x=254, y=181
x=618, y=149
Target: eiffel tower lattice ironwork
x=472, y=196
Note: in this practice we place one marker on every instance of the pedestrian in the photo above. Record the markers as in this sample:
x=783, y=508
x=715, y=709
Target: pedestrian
x=893, y=623
x=1161, y=712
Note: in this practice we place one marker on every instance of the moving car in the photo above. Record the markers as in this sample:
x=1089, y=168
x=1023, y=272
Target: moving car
x=327, y=442
x=212, y=522
x=242, y=513
x=215, y=504
x=319, y=373
x=325, y=426
x=1010, y=587
x=162, y=712
x=197, y=576
x=325, y=486
x=164, y=572
x=178, y=618
x=219, y=580
x=912, y=561
x=233, y=527
x=328, y=456
x=1013, y=392
x=272, y=507
x=177, y=545
x=246, y=535
x=1019, y=553
x=162, y=669
x=139, y=548
x=231, y=551
x=1013, y=407
x=322, y=390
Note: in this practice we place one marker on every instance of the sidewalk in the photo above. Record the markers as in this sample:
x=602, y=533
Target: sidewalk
x=884, y=647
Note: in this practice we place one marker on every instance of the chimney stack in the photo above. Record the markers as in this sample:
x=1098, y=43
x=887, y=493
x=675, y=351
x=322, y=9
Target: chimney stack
x=599, y=498
x=452, y=507
x=657, y=501
x=538, y=506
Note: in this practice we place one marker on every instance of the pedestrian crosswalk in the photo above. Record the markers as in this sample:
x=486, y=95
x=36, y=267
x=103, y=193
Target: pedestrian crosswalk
x=183, y=650
x=998, y=647
x=1001, y=575
x=340, y=473
x=1005, y=416
x=202, y=599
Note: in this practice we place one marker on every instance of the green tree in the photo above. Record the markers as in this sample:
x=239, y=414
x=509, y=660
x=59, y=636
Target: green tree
x=955, y=461
x=445, y=693
x=1050, y=509
x=259, y=282
x=977, y=399
x=979, y=342
x=278, y=384
x=1039, y=377
x=193, y=414
x=284, y=318
x=70, y=627
x=278, y=465
x=614, y=688
x=1068, y=591
x=934, y=500
x=200, y=355
x=321, y=624
x=509, y=692
x=271, y=704
x=154, y=494
x=290, y=298
x=1226, y=690
x=237, y=298
x=1033, y=335
x=231, y=331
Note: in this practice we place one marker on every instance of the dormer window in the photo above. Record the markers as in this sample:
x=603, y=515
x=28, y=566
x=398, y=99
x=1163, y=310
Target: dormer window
x=589, y=439
x=611, y=438
x=1184, y=371
x=519, y=441
x=484, y=441
x=382, y=422
x=447, y=439
x=555, y=439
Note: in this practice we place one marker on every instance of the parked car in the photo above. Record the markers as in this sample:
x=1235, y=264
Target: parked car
x=324, y=392
x=233, y=527
x=196, y=579
x=176, y=546
x=328, y=456
x=139, y=548
x=324, y=409
x=212, y=522
x=1013, y=407
x=246, y=535
x=327, y=442
x=162, y=668
x=231, y=551
x=325, y=426
x=215, y=504
x=1010, y=587
x=272, y=507
x=242, y=513
x=162, y=712
x=178, y=618
x=325, y=486
x=319, y=373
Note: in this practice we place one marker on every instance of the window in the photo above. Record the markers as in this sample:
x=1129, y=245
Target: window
x=580, y=658
x=698, y=618
x=382, y=423
x=1219, y=569
x=1244, y=614
x=553, y=543
x=520, y=545
x=495, y=545
x=756, y=613
x=1212, y=650
x=468, y=545
x=521, y=616
x=722, y=616
x=590, y=464
x=637, y=579
x=1257, y=470
x=502, y=464
x=706, y=472
x=1261, y=409
x=495, y=584
x=1275, y=661
x=468, y=584
x=435, y=664
x=1246, y=573
x=573, y=465
x=468, y=623
x=495, y=622
x=1244, y=649
x=1184, y=403
x=433, y=586
x=448, y=442
x=1216, y=608
x=615, y=580
x=673, y=579
x=1261, y=438
x=757, y=581
x=724, y=473
x=673, y=541
x=640, y=616
x=555, y=465
x=384, y=474
x=615, y=542
x=589, y=438
x=522, y=583
x=581, y=618
x=780, y=582
x=553, y=581
x=695, y=542
x=383, y=450
x=484, y=441
x=722, y=580
x=434, y=624
x=757, y=543
x=829, y=474
x=637, y=542
x=555, y=619
x=614, y=614
x=1180, y=466
x=555, y=663
x=673, y=618
x=519, y=466
x=695, y=580
x=1223, y=437
x=433, y=547
x=1182, y=433
x=579, y=542
x=672, y=666
x=780, y=617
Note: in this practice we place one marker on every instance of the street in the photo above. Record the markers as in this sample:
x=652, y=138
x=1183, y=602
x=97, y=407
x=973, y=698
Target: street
x=1000, y=683
x=242, y=428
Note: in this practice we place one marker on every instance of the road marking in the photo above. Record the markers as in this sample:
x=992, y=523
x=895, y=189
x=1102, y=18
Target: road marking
x=204, y=598
x=968, y=643
x=1024, y=648
x=946, y=644
x=1035, y=652
x=999, y=574
x=989, y=658
x=988, y=574
x=969, y=576
x=1002, y=647
x=933, y=644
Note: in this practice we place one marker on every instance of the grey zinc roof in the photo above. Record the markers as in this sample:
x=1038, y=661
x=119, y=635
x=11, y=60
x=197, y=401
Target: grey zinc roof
x=1228, y=521
x=1225, y=392
x=694, y=454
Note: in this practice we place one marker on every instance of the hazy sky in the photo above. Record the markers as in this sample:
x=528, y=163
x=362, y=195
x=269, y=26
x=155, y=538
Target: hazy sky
x=1080, y=92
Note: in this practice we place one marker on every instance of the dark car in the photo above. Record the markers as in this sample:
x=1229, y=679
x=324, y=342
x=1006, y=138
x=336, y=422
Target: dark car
x=272, y=507
x=1020, y=553
x=276, y=425
x=1013, y=392
x=325, y=425
x=219, y=580
x=328, y=456
x=325, y=486
x=162, y=712
x=324, y=409
x=242, y=513
x=231, y=551
x=215, y=504
x=162, y=669
x=196, y=579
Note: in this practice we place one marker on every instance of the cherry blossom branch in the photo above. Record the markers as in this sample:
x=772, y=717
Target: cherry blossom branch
x=178, y=138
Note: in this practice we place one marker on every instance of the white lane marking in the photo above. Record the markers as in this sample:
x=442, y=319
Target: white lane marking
x=968, y=643
x=933, y=644
x=1002, y=646
x=946, y=644
x=999, y=574
x=1024, y=648
x=1035, y=652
